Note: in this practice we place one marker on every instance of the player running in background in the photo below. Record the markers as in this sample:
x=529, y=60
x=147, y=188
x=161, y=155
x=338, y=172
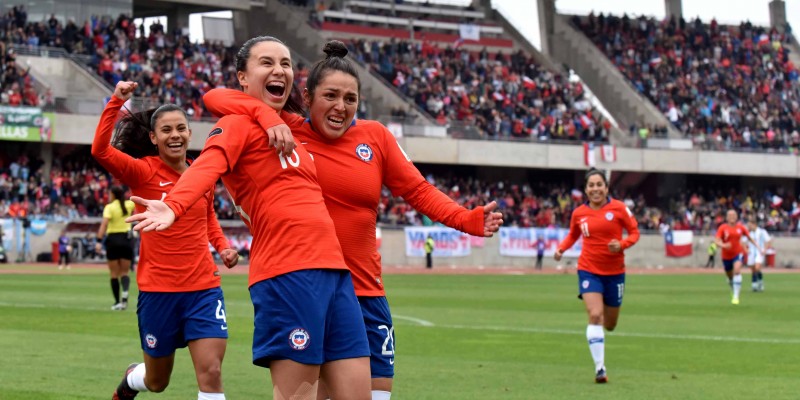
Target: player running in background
x=755, y=257
x=180, y=300
x=116, y=234
x=729, y=236
x=601, y=265
x=308, y=322
x=354, y=158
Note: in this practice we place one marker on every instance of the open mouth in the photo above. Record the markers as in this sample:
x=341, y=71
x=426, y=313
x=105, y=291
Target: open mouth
x=336, y=121
x=175, y=146
x=276, y=89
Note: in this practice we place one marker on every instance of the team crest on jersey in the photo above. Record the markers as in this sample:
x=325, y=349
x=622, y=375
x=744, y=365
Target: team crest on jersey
x=609, y=216
x=299, y=339
x=585, y=283
x=151, y=340
x=364, y=152
x=215, y=132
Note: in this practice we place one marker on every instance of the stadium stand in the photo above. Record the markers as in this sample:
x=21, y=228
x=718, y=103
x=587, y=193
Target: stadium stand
x=505, y=96
x=726, y=87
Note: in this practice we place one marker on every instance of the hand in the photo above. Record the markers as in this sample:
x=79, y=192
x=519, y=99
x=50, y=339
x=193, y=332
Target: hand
x=280, y=137
x=230, y=257
x=98, y=247
x=124, y=89
x=614, y=246
x=558, y=255
x=491, y=219
x=726, y=245
x=157, y=216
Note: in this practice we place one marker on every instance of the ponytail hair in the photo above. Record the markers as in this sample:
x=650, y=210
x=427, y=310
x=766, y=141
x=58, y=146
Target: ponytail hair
x=335, y=52
x=119, y=195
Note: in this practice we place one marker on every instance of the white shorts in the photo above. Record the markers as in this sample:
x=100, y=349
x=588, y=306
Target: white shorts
x=755, y=258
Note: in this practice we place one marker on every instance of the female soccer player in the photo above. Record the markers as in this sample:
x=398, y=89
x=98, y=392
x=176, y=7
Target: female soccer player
x=755, y=258
x=308, y=323
x=119, y=250
x=729, y=239
x=354, y=158
x=180, y=300
x=601, y=265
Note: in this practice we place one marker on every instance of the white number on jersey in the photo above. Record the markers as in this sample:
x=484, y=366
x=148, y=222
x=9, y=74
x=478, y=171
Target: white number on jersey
x=294, y=160
x=585, y=229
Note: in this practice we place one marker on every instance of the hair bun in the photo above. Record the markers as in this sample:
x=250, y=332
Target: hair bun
x=335, y=48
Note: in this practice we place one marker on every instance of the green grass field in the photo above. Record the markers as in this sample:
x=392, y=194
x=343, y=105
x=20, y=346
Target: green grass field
x=458, y=337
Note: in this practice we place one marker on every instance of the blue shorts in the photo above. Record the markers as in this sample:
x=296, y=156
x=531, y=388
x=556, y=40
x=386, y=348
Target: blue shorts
x=611, y=286
x=168, y=321
x=380, y=333
x=728, y=264
x=309, y=316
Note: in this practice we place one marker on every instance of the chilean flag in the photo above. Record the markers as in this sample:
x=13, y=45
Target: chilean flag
x=678, y=243
x=588, y=154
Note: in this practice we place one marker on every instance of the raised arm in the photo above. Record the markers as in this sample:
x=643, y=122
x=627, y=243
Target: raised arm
x=223, y=102
x=119, y=164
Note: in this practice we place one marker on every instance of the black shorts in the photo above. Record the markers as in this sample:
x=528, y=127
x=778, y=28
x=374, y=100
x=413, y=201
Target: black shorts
x=119, y=246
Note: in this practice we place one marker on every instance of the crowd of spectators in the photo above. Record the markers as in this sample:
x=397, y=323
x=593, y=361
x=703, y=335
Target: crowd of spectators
x=77, y=187
x=503, y=95
x=723, y=86
x=167, y=66
x=16, y=86
x=550, y=205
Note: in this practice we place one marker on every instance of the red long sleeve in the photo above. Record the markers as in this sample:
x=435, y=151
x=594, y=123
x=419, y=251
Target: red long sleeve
x=194, y=183
x=223, y=102
x=122, y=166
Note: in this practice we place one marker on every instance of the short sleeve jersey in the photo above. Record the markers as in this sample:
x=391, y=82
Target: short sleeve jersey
x=116, y=218
x=733, y=235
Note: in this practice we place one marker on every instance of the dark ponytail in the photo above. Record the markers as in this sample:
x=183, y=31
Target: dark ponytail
x=119, y=194
x=335, y=60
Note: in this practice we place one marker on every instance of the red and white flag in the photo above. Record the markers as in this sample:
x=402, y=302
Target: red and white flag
x=588, y=154
x=608, y=153
x=528, y=83
x=678, y=243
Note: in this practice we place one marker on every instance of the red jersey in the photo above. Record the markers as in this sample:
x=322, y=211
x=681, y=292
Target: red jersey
x=278, y=198
x=177, y=260
x=599, y=227
x=733, y=235
x=351, y=171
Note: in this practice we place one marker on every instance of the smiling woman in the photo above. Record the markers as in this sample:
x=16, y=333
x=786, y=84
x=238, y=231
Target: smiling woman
x=148, y=154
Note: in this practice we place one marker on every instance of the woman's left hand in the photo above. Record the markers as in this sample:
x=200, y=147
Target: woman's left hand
x=614, y=246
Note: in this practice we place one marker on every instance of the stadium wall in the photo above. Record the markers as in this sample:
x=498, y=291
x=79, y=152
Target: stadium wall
x=648, y=252
x=79, y=129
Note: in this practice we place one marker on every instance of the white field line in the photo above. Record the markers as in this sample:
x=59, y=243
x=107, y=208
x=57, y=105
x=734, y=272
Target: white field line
x=428, y=324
